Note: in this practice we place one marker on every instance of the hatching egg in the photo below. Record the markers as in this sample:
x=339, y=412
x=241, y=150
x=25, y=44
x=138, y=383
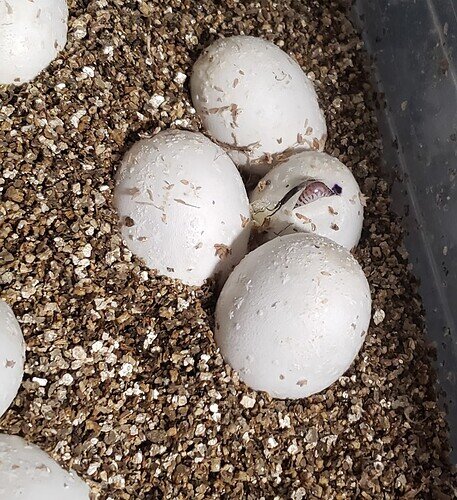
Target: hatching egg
x=28, y=473
x=12, y=356
x=293, y=315
x=256, y=101
x=32, y=32
x=309, y=192
x=183, y=206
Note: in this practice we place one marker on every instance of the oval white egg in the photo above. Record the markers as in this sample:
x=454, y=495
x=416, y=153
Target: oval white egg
x=32, y=32
x=28, y=473
x=309, y=192
x=256, y=101
x=12, y=356
x=293, y=315
x=183, y=206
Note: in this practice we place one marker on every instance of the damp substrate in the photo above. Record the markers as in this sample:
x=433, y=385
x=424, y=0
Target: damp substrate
x=123, y=380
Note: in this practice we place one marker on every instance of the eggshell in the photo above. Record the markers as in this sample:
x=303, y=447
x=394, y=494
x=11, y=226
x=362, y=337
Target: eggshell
x=336, y=212
x=32, y=32
x=12, y=356
x=256, y=101
x=293, y=315
x=28, y=473
x=183, y=206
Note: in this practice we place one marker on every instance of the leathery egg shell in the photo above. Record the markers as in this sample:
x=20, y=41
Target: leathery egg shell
x=293, y=315
x=31, y=35
x=309, y=192
x=12, y=356
x=256, y=101
x=28, y=473
x=183, y=206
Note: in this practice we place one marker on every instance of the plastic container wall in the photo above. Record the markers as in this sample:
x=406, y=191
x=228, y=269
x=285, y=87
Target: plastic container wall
x=413, y=44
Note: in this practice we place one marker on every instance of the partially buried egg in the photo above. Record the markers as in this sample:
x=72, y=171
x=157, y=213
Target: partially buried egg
x=183, y=206
x=256, y=101
x=32, y=32
x=28, y=473
x=309, y=192
x=293, y=315
x=12, y=356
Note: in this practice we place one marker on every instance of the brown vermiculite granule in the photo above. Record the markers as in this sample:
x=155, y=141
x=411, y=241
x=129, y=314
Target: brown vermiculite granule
x=123, y=381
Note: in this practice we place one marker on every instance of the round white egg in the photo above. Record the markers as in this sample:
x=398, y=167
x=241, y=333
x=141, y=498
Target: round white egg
x=32, y=32
x=309, y=192
x=12, y=356
x=28, y=473
x=256, y=101
x=183, y=206
x=293, y=315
